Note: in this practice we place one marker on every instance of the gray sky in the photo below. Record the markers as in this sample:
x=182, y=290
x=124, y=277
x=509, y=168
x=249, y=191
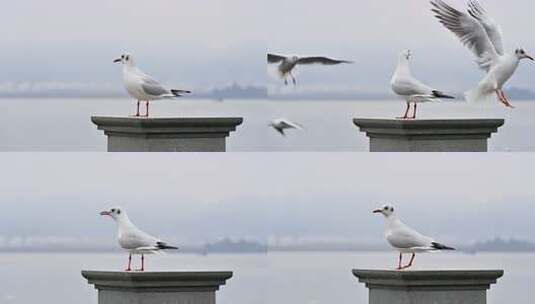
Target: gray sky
x=205, y=43
x=198, y=197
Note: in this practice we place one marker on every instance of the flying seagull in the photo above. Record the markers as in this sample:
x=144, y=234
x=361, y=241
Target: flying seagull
x=411, y=89
x=281, y=124
x=287, y=64
x=405, y=239
x=478, y=31
x=142, y=86
x=134, y=240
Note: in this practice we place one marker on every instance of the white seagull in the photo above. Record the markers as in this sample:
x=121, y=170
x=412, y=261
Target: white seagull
x=133, y=239
x=142, y=86
x=405, y=239
x=280, y=124
x=478, y=31
x=288, y=63
x=411, y=89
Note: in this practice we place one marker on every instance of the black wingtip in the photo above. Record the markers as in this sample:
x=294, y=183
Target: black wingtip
x=178, y=93
x=161, y=245
x=439, y=246
x=441, y=95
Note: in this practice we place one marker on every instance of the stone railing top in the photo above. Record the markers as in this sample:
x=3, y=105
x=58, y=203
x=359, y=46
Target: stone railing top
x=474, y=279
x=157, y=280
x=165, y=123
x=433, y=125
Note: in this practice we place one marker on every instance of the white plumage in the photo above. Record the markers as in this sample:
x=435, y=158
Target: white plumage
x=142, y=86
x=410, y=88
x=479, y=33
x=281, y=124
x=133, y=239
x=405, y=239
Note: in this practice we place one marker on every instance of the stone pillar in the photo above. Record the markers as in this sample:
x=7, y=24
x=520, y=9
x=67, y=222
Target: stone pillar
x=429, y=135
x=426, y=287
x=156, y=287
x=134, y=134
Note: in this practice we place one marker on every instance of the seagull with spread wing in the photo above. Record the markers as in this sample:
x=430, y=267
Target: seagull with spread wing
x=410, y=88
x=288, y=63
x=133, y=239
x=478, y=31
x=142, y=86
x=281, y=124
x=405, y=239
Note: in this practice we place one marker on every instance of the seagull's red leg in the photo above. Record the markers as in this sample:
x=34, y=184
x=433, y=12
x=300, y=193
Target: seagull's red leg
x=406, y=111
x=293, y=78
x=147, y=108
x=129, y=263
x=410, y=262
x=505, y=100
x=414, y=112
x=142, y=262
x=399, y=263
x=137, y=111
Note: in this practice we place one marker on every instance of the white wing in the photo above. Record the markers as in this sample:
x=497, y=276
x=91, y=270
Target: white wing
x=469, y=30
x=291, y=124
x=136, y=238
x=492, y=28
x=408, y=85
x=404, y=237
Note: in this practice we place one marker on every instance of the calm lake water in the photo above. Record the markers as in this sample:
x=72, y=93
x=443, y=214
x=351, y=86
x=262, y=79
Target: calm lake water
x=282, y=278
x=64, y=124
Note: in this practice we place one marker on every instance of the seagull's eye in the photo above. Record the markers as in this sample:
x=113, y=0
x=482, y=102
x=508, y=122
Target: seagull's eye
x=127, y=57
x=385, y=208
x=118, y=211
x=113, y=210
x=391, y=209
x=122, y=56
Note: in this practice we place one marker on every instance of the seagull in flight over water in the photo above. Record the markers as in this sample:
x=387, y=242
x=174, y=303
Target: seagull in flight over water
x=478, y=31
x=405, y=239
x=281, y=124
x=133, y=239
x=411, y=89
x=142, y=86
x=287, y=64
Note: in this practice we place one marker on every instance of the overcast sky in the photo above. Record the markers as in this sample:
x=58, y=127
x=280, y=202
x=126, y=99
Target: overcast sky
x=198, y=197
x=204, y=43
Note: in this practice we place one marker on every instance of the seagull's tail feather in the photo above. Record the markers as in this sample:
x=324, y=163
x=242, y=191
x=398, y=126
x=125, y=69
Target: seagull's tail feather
x=476, y=95
x=439, y=246
x=179, y=93
x=440, y=94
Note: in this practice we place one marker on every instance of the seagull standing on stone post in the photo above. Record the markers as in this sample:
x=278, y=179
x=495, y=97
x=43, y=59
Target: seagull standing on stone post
x=142, y=86
x=288, y=63
x=411, y=89
x=133, y=239
x=483, y=37
x=405, y=239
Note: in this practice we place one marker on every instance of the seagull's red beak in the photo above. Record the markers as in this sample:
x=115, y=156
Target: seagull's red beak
x=377, y=211
x=117, y=60
x=529, y=57
x=105, y=213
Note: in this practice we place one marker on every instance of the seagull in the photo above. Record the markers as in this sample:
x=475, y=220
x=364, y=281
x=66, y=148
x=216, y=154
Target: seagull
x=142, y=86
x=133, y=239
x=405, y=239
x=280, y=124
x=287, y=64
x=478, y=31
x=403, y=84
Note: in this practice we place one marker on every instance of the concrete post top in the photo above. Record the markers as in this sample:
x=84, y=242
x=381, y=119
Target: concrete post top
x=228, y=123
x=425, y=279
x=175, y=280
x=409, y=125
